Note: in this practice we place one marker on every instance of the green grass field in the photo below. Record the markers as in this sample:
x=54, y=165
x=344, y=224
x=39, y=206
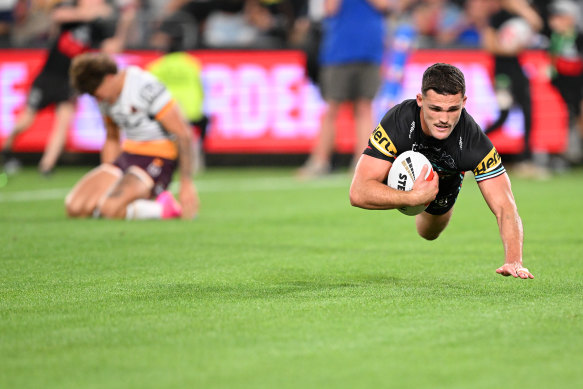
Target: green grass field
x=281, y=284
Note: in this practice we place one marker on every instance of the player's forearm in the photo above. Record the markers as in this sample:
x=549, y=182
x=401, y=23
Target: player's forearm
x=125, y=23
x=525, y=10
x=110, y=151
x=185, y=155
x=511, y=232
x=375, y=195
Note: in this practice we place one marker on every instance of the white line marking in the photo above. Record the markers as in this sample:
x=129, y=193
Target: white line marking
x=211, y=186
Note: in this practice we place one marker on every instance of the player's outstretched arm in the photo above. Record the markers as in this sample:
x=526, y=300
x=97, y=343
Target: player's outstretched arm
x=174, y=122
x=498, y=194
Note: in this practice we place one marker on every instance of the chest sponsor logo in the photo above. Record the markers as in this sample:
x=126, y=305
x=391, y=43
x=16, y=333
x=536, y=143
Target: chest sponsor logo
x=490, y=161
x=381, y=141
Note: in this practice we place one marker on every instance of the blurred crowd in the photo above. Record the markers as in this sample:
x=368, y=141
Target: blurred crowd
x=259, y=23
x=179, y=25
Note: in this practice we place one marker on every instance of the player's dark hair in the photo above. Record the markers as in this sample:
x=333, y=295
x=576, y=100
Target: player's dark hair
x=88, y=71
x=444, y=79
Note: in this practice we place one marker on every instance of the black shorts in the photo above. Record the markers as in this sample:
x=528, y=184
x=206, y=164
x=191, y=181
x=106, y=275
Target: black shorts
x=449, y=188
x=160, y=169
x=48, y=89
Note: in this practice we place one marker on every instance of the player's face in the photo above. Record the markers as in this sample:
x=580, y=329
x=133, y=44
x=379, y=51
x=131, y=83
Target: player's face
x=440, y=113
x=106, y=91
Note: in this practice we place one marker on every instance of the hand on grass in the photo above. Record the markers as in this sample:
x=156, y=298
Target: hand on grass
x=515, y=270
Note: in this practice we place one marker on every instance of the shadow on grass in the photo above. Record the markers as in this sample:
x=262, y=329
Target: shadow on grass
x=346, y=286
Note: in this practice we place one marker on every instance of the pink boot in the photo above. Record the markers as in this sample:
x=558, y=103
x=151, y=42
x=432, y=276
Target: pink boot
x=170, y=207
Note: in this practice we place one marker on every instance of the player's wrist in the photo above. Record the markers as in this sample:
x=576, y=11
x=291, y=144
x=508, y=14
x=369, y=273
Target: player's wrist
x=185, y=177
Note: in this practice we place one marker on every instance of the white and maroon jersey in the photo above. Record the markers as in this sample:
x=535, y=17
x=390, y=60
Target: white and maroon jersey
x=142, y=102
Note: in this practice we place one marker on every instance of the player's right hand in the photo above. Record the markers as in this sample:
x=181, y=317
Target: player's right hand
x=426, y=189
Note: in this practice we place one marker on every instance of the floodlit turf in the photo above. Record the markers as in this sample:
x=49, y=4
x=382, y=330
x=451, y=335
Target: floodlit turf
x=281, y=284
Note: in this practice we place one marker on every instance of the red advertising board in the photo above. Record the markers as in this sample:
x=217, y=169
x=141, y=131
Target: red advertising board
x=261, y=101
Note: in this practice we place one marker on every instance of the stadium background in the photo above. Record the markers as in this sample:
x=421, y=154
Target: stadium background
x=260, y=102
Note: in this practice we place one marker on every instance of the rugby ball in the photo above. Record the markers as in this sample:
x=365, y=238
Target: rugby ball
x=404, y=172
x=515, y=34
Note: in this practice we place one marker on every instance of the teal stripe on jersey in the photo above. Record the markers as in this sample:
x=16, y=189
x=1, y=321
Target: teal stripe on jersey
x=492, y=174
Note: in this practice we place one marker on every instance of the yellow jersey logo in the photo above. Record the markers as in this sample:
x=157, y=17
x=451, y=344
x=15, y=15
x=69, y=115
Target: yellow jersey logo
x=381, y=141
x=489, y=162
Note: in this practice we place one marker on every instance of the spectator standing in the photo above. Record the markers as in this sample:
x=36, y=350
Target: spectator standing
x=79, y=27
x=350, y=57
x=565, y=49
x=509, y=75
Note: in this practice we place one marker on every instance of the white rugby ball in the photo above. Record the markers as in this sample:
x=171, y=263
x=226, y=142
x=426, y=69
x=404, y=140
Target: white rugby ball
x=515, y=34
x=404, y=172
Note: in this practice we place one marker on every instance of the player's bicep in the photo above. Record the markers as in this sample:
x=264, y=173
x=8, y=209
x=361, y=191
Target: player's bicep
x=371, y=168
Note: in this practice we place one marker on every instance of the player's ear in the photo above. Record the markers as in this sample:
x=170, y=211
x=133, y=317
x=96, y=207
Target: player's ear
x=464, y=101
x=419, y=99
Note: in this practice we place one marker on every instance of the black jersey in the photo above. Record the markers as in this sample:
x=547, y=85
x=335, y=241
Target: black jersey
x=73, y=39
x=467, y=148
x=51, y=85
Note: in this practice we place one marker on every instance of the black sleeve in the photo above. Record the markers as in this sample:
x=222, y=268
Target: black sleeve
x=480, y=155
x=381, y=143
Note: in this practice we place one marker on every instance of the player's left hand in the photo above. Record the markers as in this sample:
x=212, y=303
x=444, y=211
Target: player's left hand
x=188, y=198
x=515, y=270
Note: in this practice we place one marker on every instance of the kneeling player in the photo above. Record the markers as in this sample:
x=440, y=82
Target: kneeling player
x=132, y=179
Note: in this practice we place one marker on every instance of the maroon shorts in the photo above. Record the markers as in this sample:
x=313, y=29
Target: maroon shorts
x=160, y=169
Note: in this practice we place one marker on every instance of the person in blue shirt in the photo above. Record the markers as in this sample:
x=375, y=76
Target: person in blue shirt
x=350, y=58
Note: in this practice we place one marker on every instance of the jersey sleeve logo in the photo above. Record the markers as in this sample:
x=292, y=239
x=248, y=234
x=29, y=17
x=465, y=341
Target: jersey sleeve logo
x=381, y=141
x=490, y=166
